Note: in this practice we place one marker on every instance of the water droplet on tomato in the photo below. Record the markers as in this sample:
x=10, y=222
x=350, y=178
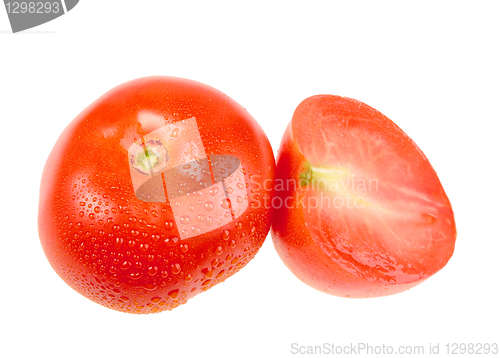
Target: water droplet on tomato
x=208, y=272
x=173, y=294
x=185, y=220
x=225, y=235
x=209, y=206
x=152, y=270
x=176, y=268
x=225, y=203
x=135, y=275
x=172, y=241
x=149, y=286
x=126, y=265
x=214, y=191
x=118, y=243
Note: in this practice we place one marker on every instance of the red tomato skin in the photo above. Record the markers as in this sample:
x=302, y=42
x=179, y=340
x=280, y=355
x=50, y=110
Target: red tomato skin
x=299, y=250
x=124, y=253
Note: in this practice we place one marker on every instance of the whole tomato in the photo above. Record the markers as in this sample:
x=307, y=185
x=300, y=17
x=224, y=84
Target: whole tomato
x=360, y=212
x=155, y=193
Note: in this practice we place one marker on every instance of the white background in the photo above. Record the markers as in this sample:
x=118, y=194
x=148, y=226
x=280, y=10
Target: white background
x=431, y=66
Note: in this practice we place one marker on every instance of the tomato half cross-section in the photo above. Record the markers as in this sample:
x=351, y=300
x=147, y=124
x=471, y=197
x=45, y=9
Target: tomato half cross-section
x=360, y=211
x=155, y=193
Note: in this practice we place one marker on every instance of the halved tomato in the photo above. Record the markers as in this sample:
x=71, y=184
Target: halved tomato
x=363, y=212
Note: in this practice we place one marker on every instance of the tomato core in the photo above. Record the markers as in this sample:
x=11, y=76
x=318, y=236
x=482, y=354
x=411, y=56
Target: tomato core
x=322, y=178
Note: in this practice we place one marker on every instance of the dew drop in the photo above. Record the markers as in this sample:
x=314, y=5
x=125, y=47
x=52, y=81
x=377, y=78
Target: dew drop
x=149, y=286
x=176, y=268
x=208, y=272
x=209, y=206
x=135, y=275
x=118, y=243
x=152, y=270
x=218, y=250
x=225, y=203
x=125, y=265
x=214, y=191
x=225, y=235
x=173, y=294
x=172, y=241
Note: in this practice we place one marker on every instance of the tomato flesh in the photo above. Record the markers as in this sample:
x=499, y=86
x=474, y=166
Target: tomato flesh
x=370, y=204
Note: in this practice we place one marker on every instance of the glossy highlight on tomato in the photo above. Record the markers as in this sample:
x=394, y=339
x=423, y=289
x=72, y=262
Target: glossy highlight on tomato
x=363, y=212
x=153, y=194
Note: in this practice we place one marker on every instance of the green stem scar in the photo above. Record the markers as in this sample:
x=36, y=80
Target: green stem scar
x=151, y=158
x=321, y=177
